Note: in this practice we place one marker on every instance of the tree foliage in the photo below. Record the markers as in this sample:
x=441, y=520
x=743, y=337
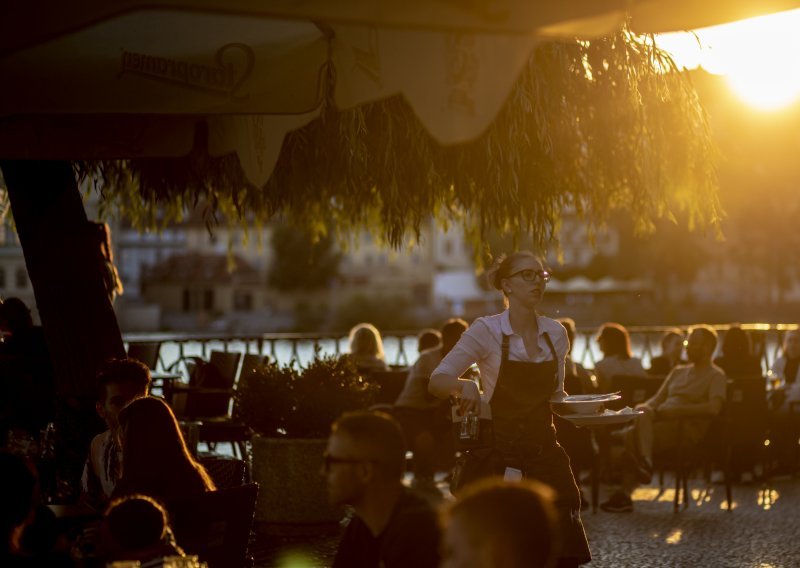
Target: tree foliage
x=595, y=125
x=300, y=261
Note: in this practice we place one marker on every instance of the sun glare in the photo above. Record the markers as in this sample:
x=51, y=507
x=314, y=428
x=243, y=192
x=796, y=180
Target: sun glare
x=758, y=57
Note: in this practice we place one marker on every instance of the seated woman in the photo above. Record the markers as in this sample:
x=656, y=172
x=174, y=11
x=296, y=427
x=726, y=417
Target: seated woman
x=155, y=459
x=366, y=348
x=615, y=343
x=736, y=359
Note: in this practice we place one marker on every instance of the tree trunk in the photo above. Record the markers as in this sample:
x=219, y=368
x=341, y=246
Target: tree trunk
x=66, y=270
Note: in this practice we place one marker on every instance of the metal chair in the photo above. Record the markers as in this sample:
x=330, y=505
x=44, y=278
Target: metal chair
x=225, y=471
x=230, y=429
x=146, y=352
x=747, y=415
x=210, y=389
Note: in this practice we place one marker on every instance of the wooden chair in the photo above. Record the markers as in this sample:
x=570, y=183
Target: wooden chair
x=216, y=525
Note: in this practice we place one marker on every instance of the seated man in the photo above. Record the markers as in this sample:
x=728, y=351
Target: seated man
x=496, y=524
x=425, y=418
x=364, y=465
x=694, y=390
x=119, y=382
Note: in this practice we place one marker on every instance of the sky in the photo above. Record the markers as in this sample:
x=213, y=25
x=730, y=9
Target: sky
x=759, y=57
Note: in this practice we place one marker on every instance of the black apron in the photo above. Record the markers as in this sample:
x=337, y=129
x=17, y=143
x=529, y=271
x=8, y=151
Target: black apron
x=526, y=439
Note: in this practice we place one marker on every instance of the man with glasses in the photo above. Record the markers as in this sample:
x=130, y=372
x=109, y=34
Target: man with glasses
x=363, y=466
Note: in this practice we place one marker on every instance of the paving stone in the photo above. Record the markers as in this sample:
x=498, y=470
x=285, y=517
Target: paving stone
x=763, y=531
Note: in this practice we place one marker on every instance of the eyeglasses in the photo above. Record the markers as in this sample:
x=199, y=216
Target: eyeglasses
x=329, y=460
x=529, y=275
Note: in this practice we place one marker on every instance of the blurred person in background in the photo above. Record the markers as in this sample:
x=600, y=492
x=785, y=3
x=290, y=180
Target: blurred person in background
x=428, y=338
x=499, y=524
x=424, y=418
x=119, y=381
x=736, y=359
x=138, y=529
x=671, y=351
x=615, y=344
x=155, y=459
x=366, y=348
x=363, y=466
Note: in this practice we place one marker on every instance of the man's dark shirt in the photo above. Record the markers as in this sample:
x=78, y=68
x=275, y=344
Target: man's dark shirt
x=411, y=538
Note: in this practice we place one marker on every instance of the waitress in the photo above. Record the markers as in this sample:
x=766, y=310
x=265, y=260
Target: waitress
x=521, y=359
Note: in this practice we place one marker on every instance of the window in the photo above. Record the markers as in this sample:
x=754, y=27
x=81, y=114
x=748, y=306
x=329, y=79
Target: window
x=242, y=301
x=194, y=300
x=21, y=278
x=421, y=294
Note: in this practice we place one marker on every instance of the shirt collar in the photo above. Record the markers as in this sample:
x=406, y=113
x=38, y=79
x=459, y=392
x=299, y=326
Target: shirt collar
x=505, y=324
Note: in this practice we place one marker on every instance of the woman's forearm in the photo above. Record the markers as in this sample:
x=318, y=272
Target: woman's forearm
x=444, y=386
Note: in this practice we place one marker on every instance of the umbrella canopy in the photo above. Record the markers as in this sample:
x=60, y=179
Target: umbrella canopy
x=133, y=79
x=208, y=82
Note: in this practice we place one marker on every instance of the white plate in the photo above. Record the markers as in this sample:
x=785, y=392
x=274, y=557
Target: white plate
x=591, y=397
x=602, y=419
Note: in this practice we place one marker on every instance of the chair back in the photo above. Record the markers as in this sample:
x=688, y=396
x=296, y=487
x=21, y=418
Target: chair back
x=250, y=363
x=634, y=389
x=227, y=363
x=212, y=386
x=216, y=525
x=391, y=384
x=747, y=412
x=225, y=471
x=146, y=352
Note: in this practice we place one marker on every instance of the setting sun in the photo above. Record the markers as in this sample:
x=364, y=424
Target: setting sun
x=759, y=57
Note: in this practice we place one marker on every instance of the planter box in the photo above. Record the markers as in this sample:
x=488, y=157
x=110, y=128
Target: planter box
x=292, y=495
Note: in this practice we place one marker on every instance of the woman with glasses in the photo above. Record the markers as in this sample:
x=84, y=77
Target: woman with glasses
x=521, y=356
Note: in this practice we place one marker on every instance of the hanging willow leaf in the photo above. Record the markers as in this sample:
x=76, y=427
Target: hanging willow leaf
x=594, y=126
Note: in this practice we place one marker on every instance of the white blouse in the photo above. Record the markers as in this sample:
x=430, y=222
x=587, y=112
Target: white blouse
x=482, y=344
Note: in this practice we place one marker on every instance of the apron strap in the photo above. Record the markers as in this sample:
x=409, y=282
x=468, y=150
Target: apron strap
x=552, y=351
x=504, y=348
x=550, y=345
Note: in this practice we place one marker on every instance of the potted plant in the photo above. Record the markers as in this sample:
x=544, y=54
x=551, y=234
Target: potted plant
x=291, y=411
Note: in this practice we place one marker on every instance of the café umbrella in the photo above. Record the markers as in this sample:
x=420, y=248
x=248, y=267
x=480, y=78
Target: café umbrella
x=94, y=80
